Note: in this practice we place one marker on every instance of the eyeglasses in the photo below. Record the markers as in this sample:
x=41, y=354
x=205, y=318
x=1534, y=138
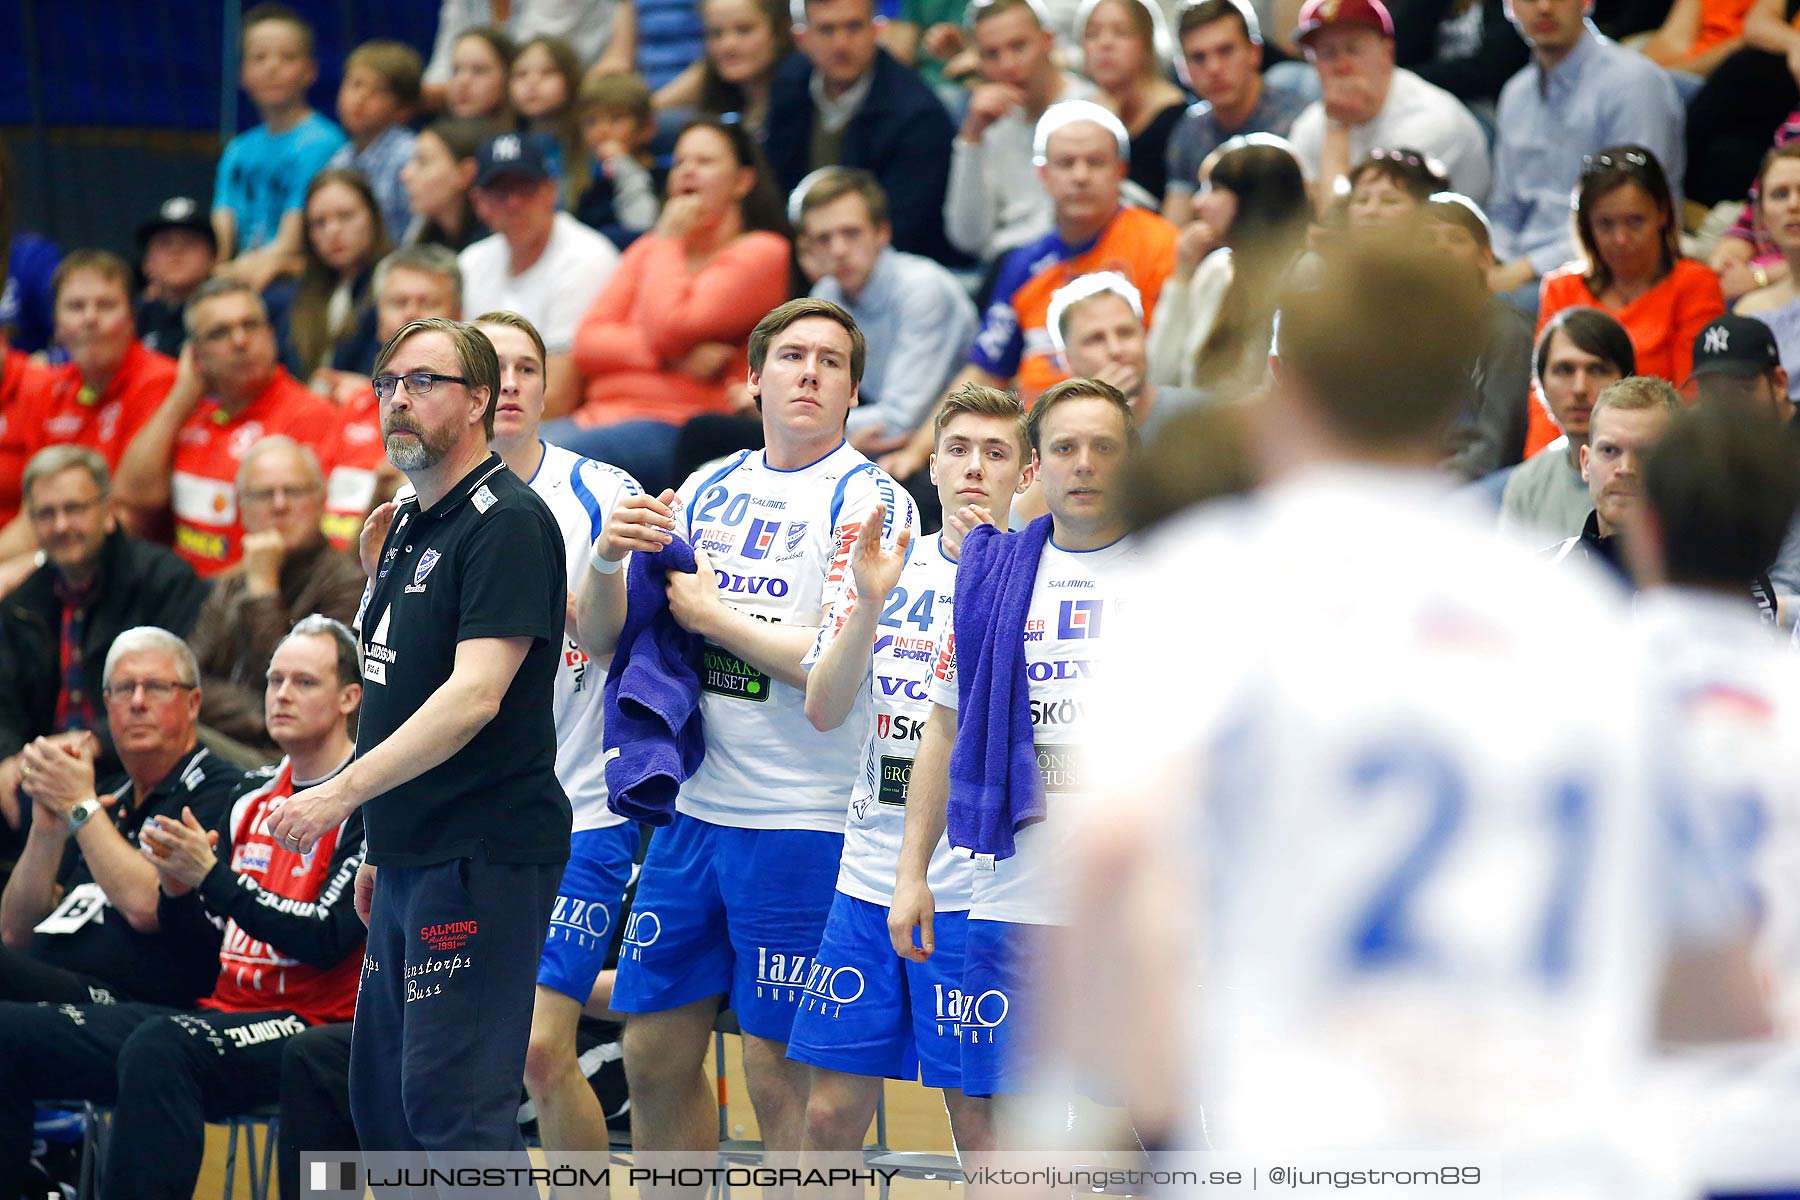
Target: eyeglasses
x=266, y=496
x=1623, y=160
x=48, y=513
x=418, y=383
x=154, y=689
x=219, y=333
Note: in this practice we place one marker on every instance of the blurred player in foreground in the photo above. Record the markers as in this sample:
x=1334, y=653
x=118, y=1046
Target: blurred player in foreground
x=1374, y=872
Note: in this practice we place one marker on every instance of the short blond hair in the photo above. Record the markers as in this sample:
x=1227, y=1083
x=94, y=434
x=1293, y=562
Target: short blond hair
x=1635, y=393
x=398, y=64
x=979, y=400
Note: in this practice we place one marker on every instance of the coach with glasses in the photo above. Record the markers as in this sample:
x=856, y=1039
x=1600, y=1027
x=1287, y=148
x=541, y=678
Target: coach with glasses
x=468, y=829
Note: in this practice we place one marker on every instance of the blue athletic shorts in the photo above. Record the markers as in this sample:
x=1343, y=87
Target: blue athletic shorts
x=727, y=910
x=867, y=1011
x=581, y=923
x=998, y=996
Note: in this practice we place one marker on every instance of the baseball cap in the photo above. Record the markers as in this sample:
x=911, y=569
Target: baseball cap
x=177, y=212
x=519, y=155
x=1317, y=14
x=1741, y=346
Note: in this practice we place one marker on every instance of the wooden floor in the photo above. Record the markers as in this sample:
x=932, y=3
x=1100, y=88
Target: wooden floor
x=916, y=1121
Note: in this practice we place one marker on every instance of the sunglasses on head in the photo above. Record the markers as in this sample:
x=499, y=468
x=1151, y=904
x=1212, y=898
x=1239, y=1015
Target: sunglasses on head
x=1623, y=160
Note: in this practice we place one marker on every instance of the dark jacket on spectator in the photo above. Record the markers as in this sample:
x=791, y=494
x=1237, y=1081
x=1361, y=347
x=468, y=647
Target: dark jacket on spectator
x=901, y=134
x=237, y=633
x=1468, y=73
x=139, y=584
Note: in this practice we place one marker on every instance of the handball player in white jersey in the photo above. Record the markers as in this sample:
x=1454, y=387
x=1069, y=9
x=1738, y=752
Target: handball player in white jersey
x=867, y=1014
x=1083, y=441
x=1718, y=494
x=1380, y=865
x=581, y=494
x=733, y=896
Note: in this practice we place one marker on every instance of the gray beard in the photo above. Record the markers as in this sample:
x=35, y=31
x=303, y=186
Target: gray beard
x=410, y=456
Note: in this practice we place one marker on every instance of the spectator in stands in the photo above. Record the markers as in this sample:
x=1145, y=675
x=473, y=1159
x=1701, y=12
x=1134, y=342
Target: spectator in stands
x=917, y=318
x=19, y=376
x=668, y=338
x=377, y=99
x=933, y=37
x=1695, y=38
x=1629, y=418
x=1249, y=226
x=1126, y=51
x=229, y=392
x=624, y=182
x=545, y=78
x=264, y=171
x=1579, y=352
x=178, y=255
x=1489, y=434
x=329, y=323
x=992, y=205
x=539, y=262
x=412, y=283
x=1388, y=188
x=1737, y=365
x=287, y=572
x=587, y=25
x=846, y=102
x=1581, y=92
x=109, y=387
x=1097, y=325
x=1730, y=120
x=1631, y=266
x=1369, y=103
x=62, y=944
x=290, y=958
x=1745, y=257
x=95, y=583
x=28, y=263
x=438, y=180
x=1778, y=215
x=1221, y=60
x=477, y=75
x=746, y=43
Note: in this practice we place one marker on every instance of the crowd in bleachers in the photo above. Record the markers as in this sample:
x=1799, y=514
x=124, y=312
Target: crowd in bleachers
x=1007, y=194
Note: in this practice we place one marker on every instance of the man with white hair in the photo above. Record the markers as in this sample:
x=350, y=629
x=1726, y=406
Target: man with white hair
x=81, y=927
x=288, y=571
x=1082, y=151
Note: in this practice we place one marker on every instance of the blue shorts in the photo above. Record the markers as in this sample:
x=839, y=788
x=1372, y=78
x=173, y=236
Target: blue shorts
x=581, y=923
x=867, y=1011
x=999, y=977
x=722, y=910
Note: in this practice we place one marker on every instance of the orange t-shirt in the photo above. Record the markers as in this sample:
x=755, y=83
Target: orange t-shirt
x=208, y=449
x=1663, y=323
x=18, y=376
x=1720, y=21
x=352, y=453
x=58, y=407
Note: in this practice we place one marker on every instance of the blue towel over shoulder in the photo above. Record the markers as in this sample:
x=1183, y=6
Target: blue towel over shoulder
x=653, y=736
x=994, y=786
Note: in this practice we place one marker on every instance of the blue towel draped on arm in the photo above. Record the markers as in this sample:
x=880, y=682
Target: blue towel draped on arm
x=994, y=786
x=653, y=737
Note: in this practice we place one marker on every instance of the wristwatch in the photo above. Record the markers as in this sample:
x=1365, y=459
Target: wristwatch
x=79, y=815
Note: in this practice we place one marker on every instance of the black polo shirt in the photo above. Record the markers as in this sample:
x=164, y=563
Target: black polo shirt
x=86, y=934
x=486, y=561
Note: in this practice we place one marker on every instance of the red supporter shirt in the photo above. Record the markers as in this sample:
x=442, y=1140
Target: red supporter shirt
x=18, y=376
x=353, y=453
x=253, y=975
x=58, y=407
x=211, y=444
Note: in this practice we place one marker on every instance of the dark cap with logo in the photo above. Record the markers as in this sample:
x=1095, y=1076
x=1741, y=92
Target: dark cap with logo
x=512, y=156
x=1317, y=14
x=177, y=212
x=1741, y=346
